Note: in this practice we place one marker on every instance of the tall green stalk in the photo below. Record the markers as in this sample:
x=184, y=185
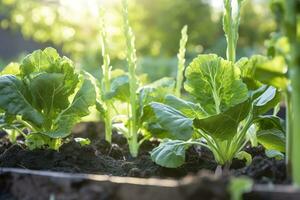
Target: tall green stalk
x=106, y=69
x=294, y=73
x=231, y=22
x=133, y=82
x=181, y=60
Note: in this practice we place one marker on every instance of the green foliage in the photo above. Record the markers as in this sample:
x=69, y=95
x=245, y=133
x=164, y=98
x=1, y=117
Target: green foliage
x=170, y=153
x=215, y=83
x=38, y=98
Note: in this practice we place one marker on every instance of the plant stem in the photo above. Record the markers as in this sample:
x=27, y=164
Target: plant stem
x=181, y=60
x=230, y=26
x=106, y=80
x=289, y=131
x=294, y=72
x=131, y=60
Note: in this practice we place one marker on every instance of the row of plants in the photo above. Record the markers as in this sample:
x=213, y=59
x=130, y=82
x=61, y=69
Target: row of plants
x=214, y=103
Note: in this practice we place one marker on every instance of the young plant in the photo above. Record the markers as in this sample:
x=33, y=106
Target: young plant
x=45, y=96
x=181, y=60
x=133, y=82
x=227, y=111
x=221, y=116
x=126, y=89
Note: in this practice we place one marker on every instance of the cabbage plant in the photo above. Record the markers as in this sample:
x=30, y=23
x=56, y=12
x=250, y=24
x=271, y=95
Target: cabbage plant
x=46, y=96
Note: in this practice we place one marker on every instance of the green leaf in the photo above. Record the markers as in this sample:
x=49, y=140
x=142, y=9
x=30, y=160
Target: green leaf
x=11, y=69
x=119, y=89
x=243, y=155
x=174, y=122
x=274, y=154
x=85, y=97
x=170, y=153
x=270, y=133
x=272, y=72
x=224, y=125
x=39, y=141
x=156, y=91
x=37, y=61
x=187, y=108
x=13, y=100
x=48, y=92
x=238, y=186
x=82, y=141
x=261, y=69
x=266, y=101
x=215, y=83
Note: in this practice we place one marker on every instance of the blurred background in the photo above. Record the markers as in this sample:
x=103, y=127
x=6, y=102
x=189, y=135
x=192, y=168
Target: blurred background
x=73, y=26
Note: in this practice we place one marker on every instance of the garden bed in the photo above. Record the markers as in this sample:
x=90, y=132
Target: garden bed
x=23, y=171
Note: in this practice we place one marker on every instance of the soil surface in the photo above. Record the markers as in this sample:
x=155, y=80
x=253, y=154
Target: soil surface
x=100, y=157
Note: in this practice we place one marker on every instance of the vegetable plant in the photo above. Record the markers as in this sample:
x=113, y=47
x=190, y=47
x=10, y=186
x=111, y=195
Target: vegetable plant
x=225, y=110
x=45, y=95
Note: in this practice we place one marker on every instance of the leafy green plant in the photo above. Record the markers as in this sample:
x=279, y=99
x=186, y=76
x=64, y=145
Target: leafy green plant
x=219, y=118
x=46, y=96
x=227, y=108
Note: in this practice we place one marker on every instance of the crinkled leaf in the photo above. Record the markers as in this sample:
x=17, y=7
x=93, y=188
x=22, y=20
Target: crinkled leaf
x=170, y=153
x=84, y=98
x=224, y=125
x=14, y=101
x=50, y=78
x=215, y=83
x=261, y=69
x=174, y=122
x=187, y=108
x=48, y=92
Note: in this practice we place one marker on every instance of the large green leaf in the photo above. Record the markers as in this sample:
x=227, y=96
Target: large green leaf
x=174, y=122
x=215, y=83
x=14, y=102
x=187, y=108
x=224, y=125
x=85, y=97
x=170, y=153
x=270, y=132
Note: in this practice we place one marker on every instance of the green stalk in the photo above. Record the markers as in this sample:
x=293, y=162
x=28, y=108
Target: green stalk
x=106, y=80
x=294, y=73
x=289, y=131
x=181, y=60
x=131, y=60
x=230, y=25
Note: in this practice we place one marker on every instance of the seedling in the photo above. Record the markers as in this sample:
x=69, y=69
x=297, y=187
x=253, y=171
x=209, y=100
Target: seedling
x=45, y=96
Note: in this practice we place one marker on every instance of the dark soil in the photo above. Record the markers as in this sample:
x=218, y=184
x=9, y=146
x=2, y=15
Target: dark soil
x=114, y=159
